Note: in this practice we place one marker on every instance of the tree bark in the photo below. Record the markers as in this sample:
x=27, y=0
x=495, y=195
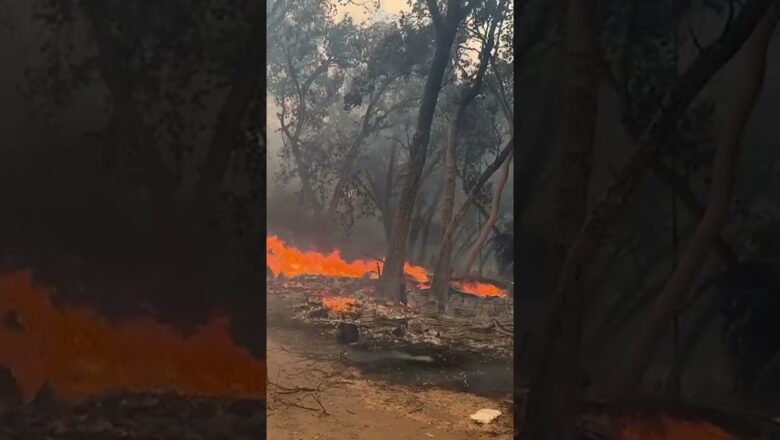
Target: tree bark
x=471, y=255
x=440, y=283
x=396, y=252
x=426, y=226
x=553, y=400
x=753, y=55
x=387, y=219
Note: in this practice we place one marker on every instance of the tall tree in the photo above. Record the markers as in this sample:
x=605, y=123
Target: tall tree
x=446, y=27
x=441, y=275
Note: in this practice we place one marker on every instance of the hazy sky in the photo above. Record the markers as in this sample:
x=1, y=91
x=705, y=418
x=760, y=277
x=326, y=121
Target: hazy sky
x=360, y=13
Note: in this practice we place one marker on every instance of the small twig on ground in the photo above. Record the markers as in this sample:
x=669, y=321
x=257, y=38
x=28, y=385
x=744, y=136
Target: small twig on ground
x=302, y=406
x=317, y=399
x=296, y=389
x=309, y=370
x=416, y=410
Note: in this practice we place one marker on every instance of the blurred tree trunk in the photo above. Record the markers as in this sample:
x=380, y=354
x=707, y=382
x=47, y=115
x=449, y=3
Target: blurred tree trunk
x=753, y=61
x=555, y=391
x=690, y=344
x=446, y=27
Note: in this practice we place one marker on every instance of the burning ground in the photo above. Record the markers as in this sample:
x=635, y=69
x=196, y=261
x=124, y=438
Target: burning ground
x=325, y=290
x=345, y=364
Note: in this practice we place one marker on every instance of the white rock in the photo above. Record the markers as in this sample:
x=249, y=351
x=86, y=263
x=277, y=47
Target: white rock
x=485, y=416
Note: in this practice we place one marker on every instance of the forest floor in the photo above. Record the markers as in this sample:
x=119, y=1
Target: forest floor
x=312, y=397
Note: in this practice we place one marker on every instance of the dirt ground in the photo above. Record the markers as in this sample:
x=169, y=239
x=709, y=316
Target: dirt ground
x=310, y=398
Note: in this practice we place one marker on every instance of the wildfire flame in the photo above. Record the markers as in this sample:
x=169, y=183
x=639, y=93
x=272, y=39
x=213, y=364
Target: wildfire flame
x=289, y=261
x=292, y=262
x=80, y=354
x=479, y=289
x=338, y=304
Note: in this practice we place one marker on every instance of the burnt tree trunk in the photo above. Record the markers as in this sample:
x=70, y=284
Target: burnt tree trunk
x=555, y=392
x=753, y=55
x=446, y=28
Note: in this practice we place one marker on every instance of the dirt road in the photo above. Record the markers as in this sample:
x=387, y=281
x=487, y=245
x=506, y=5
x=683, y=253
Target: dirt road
x=310, y=398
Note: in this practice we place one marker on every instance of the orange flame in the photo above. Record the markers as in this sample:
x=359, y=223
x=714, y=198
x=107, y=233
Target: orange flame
x=671, y=429
x=291, y=262
x=338, y=304
x=479, y=289
x=416, y=273
x=80, y=354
